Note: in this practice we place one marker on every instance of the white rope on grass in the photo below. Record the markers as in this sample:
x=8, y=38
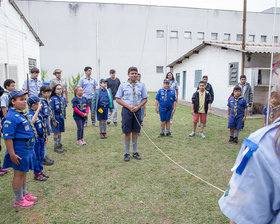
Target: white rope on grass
x=163, y=153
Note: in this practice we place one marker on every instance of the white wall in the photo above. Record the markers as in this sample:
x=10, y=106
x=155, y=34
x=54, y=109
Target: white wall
x=214, y=62
x=17, y=44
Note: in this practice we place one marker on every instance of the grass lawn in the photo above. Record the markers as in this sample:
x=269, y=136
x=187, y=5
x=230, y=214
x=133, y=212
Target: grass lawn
x=92, y=184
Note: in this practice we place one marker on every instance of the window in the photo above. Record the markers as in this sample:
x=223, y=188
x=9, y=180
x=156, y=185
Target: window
x=275, y=39
x=226, y=36
x=159, y=69
x=233, y=73
x=160, y=33
x=197, y=77
x=263, y=38
x=188, y=34
x=251, y=38
x=13, y=72
x=239, y=37
x=31, y=64
x=173, y=34
x=200, y=35
x=214, y=36
x=178, y=78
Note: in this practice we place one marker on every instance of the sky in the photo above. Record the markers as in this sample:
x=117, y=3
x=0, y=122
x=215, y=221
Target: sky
x=252, y=5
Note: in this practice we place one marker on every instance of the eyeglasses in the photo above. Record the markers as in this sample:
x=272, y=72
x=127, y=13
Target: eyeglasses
x=58, y=88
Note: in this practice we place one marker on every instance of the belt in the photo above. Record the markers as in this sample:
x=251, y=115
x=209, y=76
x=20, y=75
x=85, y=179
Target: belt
x=102, y=105
x=23, y=139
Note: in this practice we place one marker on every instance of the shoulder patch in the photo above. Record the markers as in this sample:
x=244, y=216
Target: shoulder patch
x=7, y=122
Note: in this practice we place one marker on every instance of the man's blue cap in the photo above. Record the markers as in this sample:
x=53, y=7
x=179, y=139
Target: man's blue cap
x=31, y=100
x=102, y=80
x=166, y=80
x=17, y=92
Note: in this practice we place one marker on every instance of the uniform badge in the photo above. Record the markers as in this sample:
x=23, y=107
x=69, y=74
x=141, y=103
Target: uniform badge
x=6, y=125
x=57, y=106
x=26, y=127
x=40, y=125
x=6, y=134
x=7, y=122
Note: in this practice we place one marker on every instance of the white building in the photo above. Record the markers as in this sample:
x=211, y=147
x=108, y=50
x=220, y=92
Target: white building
x=117, y=36
x=19, y=44
x=221, y=62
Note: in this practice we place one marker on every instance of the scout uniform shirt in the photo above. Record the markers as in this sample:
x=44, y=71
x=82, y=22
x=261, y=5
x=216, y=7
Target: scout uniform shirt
x=239, y=109
x=81, y=104
x=34, y=86
x=46, y=113
x=166, y=98
x=39, y=124
x=58, y=106
x=88, y=86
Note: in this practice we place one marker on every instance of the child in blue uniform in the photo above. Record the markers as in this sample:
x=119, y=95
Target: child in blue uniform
x=9, y=85
x=237, y=112
x=44, y=95
x=35, y=106
x=19, y=134
x=274, y=108
x=58, y=114
x=80, y=112
x=102, y=101
x=165, y=106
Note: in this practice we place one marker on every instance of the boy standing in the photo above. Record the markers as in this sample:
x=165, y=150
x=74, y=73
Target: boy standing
x=165, y=106
x=34, y=83
x=201, y=105
x=132, y=95
x=274, y=108
x=102, y=101
x=237, y=112
x=59, y=80
x=9, y=85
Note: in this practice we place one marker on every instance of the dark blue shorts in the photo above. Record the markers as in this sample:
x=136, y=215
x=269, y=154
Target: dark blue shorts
x=104, y=115
x=235, y=121
x=165, y=114
x=60, y=127
x=39, y=154
x=129, y=122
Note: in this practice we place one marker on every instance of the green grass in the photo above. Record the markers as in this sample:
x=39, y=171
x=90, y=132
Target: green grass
x=92, y=184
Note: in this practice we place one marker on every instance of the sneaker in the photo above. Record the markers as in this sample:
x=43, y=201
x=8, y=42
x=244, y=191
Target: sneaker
x=126, y=157
x=62, y=148
x=85, y=124
x=108, y=122
x=101, y=135
x=235, y=140
x=30, y=197
x=116, y=124
x=58, y=149
x=136, y=156
x=44, y=175
x=139, y=134
x=192, y=134
x=83, y=141
x=171, y=121
x=169, y=134
x=201, y=135
x=47, y=161
x=231, y=139
x=23, y=203
x=94, y=124
x=161, y=135
x=105, y=135
x=4, y=170
x=39, y=177
x=80, y=142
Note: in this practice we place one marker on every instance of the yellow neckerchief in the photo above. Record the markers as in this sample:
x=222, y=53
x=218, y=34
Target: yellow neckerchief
x=271, y=108
x=24, y=113
x=235, y=105
x=61, y=104
x=165, y=94
x=134, y=92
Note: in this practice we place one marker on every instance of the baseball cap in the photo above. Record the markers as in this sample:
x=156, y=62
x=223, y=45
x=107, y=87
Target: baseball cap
x=31, y=100
x=166, y=80
x=102, y=80
x=57, y=71
x=17, y=92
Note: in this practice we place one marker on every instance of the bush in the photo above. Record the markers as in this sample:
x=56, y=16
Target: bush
x=44, y=74
x=73, y=81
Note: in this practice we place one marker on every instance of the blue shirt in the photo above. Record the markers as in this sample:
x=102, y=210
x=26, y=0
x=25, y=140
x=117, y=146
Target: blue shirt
x=253, y=197
x=81, y=104
x=38, y=124
x=15, y=125
x=88, y=86
x=58, y=106
x=45, y=111
x=241, y=106
x=125, y=92
x=5, y=100
x=174, y=85
x=34, y=86
x=103, y=98
x=166, y=98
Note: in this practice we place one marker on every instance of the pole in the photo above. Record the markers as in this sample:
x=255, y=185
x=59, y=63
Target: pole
x=243, y=36
x=27, y=83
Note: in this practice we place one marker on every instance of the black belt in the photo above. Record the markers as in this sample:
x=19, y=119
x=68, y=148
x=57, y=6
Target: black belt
x=102, y=105
x=22, y=139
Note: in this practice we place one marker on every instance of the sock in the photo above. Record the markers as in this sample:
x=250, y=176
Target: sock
x=105, y=127
x=59, y=140
x=134, y=144
x=127, y=146
x=194, y=131
x=162, y=131
x=24, y=189
x=100, y=127
x=18, y=194
x=167, y=130
x=55, y=141
x=231, y=134
x=236, y=132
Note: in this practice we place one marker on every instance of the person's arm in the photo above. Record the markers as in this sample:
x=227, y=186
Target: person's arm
x=209, y=108
x=228, y=112
x=156, y=107
x=264, y=120
x=212, y=94
x=145, y=110
x=93, y=103
x=177, y=93
x=174, y=107
x=66, y=95
x=192, y=111
x=10, y=147
x=34, y=118
x=4, y=111
x=232, y=222
x=251, y=95
x=245, y=114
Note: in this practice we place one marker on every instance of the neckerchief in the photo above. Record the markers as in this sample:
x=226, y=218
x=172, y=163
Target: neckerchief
x=61, y=105
x=165, y=95
x=44, y=126
x=271, y=109
x=134, y=92
x=235, y=105
x=24, y=113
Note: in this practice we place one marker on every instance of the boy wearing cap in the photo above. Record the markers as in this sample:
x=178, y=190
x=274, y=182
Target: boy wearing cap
x=35, y=106
x=34, y=83
x=102, y=101
x=165, y=106
x=9, y=85
x=132, y=95
x=59, y=80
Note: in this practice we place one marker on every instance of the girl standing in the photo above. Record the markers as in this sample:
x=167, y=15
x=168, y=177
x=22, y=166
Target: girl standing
x=173, y=86
x=19, y=134
x=81, y=109
x=58, y=115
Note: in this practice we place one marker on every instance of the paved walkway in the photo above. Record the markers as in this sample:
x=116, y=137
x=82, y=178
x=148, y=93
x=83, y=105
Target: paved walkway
x=219, y=112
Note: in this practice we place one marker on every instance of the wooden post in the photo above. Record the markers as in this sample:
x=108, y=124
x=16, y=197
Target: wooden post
x=243, y=36
x=27, y=83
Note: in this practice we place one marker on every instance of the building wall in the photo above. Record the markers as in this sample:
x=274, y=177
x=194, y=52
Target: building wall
x=117, y=36
x=17, y=44
x=214, y=62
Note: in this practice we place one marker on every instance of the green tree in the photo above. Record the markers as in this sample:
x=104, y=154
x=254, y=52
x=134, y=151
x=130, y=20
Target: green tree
x=44, y=74
x=73, y=81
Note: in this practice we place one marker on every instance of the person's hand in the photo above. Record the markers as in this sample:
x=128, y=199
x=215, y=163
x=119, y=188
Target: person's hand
x=67, y=101
x=192, y=112
x=145, y=113
x=209, y=111
x=173, y=111
x=55, y=123
x=135, y=109
x=50, y=128
x=130, y=107
x=40, y=106
x=0, y=127
x=15, y=159
x=157, y=110
x=244, y=118
x=228, y=116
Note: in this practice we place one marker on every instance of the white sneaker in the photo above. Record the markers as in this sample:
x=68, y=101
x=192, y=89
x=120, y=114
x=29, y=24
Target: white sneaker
x=192, y=134
x=201, y=135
